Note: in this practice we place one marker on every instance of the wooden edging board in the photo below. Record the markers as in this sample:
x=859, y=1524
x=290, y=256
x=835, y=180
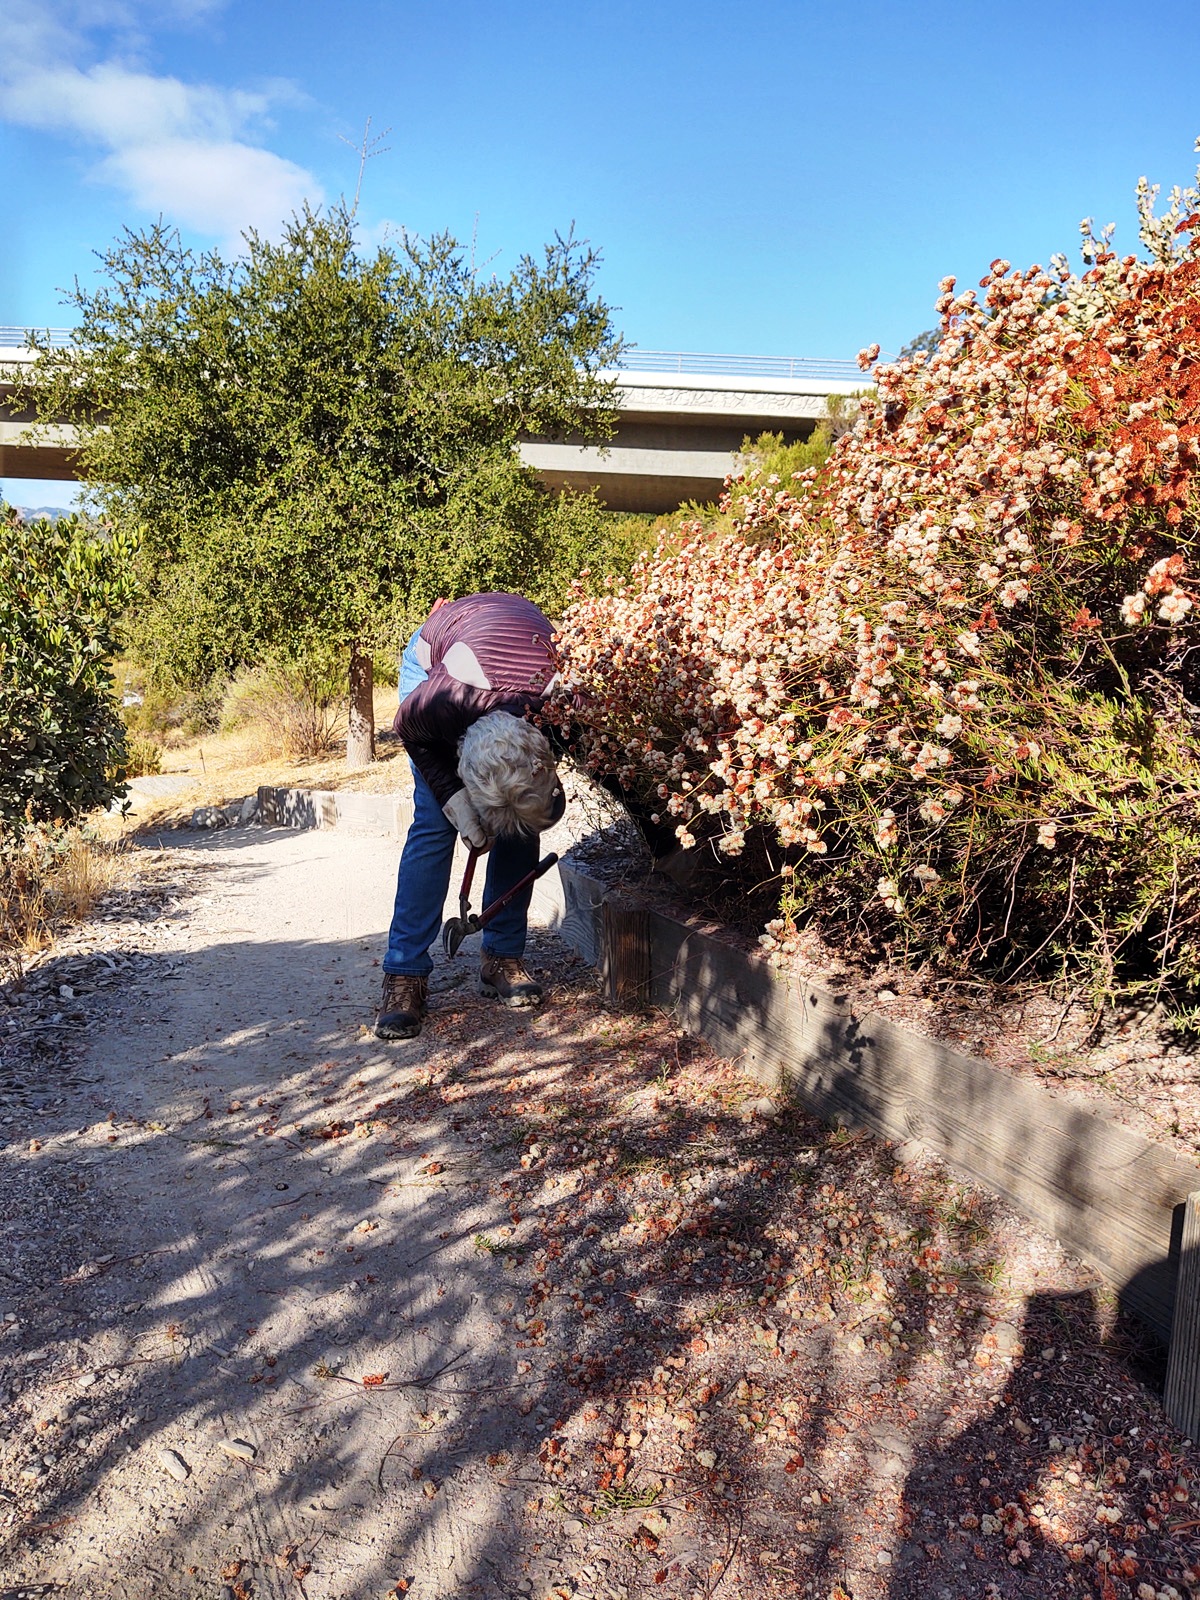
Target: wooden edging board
x=1109, y=1195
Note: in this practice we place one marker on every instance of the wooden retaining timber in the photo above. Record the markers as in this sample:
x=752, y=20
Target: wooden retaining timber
x=1182, y=1398
x=1109, y=1195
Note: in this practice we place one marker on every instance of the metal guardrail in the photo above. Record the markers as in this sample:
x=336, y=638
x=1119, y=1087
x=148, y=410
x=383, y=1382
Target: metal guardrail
x=18, y=338
x=683, y=361
x=680, y=361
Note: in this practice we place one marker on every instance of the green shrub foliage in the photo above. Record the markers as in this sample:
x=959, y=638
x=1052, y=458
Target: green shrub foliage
x=63, y=587
x=317, y=441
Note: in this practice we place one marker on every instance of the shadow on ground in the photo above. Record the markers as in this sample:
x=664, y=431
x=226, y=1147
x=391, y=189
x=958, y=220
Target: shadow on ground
x=540, y=1300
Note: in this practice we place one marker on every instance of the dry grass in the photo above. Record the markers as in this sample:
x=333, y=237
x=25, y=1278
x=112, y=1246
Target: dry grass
x=295, y=714
x=24, y=914
x=143, y=755
x=85, y=872
x=52, y=883
x=221, y=767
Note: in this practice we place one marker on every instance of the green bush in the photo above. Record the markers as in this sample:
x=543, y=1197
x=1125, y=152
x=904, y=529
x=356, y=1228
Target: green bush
x=166, y=709
x=387, y=668
x=317, y=441
x=769, y=457
x=762, y=460
x=155, y=714
x=63, y=588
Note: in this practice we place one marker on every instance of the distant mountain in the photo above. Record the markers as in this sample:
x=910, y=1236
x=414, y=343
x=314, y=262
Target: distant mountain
x=50, y=513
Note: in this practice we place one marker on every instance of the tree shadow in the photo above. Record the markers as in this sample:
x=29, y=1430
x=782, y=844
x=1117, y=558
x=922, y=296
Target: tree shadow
x=541, y=1299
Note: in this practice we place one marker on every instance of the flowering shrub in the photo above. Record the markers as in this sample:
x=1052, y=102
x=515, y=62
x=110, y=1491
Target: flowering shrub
x=943, y=689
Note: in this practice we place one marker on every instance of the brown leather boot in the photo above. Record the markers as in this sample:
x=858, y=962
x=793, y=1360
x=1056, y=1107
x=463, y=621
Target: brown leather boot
x=402, y=1006
x=504, y=978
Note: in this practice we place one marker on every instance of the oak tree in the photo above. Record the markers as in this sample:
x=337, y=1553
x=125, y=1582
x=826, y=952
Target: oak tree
x=312, y=440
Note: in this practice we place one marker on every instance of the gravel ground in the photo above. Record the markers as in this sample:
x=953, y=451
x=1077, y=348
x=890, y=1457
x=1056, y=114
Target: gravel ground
x=549, y=1304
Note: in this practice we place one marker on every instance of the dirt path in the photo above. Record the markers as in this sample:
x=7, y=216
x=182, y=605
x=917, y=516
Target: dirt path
x=241, y=1255
x=537, y=1305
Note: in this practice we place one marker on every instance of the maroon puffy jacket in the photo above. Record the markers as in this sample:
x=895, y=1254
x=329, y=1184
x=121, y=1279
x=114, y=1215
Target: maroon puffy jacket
x=485, y=652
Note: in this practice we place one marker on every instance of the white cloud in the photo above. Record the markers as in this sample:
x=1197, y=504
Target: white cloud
x=120, y=108
x=183, y=150
x=203, y=185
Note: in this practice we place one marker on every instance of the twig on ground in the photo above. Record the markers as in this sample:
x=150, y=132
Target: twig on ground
x=425, y=1382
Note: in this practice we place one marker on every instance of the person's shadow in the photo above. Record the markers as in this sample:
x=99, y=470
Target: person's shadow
x=1009, y=1506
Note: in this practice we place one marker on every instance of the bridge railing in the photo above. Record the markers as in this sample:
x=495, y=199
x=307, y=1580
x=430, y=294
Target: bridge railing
x=693, y=362
x=679, y=361
x=13, y=338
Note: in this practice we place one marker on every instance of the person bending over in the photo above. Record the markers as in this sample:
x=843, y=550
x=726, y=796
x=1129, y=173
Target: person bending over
x=468, y=676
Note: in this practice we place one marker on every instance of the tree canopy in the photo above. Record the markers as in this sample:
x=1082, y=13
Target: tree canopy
x=313, y=441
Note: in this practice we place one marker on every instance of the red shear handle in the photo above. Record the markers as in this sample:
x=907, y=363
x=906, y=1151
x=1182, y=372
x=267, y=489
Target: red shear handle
x=468, y=875
x=509, y=894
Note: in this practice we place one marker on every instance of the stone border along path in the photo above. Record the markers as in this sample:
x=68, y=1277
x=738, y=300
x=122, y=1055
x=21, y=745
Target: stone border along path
x=386, y=814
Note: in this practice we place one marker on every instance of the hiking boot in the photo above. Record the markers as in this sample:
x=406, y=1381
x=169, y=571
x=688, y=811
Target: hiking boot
x=402, y=1006
x=504, y=978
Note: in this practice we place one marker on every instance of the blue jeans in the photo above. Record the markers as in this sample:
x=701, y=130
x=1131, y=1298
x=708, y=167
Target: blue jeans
x=425, y=867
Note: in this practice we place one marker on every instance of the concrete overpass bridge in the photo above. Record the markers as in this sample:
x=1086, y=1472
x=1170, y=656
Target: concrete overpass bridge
x=681, y=419
x=20, y=457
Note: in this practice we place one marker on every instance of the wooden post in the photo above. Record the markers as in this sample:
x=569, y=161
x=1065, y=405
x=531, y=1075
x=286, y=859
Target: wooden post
x=1182, y=1398
x=625, y=958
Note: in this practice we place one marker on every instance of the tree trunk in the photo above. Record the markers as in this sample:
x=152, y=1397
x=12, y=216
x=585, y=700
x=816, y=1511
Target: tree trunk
x=360, y=732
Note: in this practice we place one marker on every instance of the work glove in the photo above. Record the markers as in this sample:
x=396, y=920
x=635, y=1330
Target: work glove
x=464, y=819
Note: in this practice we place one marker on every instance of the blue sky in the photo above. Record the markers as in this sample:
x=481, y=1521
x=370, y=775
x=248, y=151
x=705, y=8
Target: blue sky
x=789, y=178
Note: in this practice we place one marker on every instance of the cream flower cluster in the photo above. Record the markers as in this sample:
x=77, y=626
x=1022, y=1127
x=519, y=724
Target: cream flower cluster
x=845, y=674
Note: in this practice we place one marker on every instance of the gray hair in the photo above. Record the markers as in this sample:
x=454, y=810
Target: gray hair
x=510, y=777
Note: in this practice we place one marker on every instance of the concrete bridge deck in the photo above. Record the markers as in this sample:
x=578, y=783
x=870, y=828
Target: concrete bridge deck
x=682, y=417
x=678, y=431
